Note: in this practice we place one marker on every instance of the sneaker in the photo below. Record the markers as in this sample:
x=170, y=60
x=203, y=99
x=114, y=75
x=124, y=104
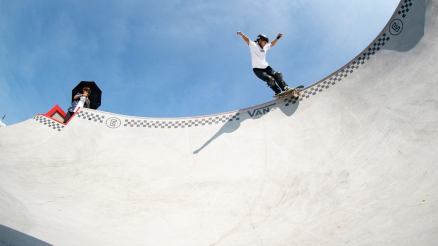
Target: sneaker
x=286, y=88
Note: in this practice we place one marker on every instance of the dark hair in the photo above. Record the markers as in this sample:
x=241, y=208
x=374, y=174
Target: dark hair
x=87, y=89
x=262, y=37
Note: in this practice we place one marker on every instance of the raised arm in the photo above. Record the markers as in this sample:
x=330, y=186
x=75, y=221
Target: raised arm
x=276, y=39
x=245, y=38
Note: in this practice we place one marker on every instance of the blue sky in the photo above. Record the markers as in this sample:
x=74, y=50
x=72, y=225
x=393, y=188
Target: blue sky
x=171, y=58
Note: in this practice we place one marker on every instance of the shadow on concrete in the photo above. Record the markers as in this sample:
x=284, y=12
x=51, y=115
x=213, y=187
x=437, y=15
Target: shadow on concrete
x=410, y=28
x=12, y=237
x=287, y=105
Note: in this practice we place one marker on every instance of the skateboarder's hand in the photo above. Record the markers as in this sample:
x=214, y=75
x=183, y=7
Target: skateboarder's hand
x=276, y=39
x=243, y=36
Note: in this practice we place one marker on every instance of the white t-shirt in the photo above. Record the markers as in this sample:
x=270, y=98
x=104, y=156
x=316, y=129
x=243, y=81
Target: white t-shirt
x=258, y=55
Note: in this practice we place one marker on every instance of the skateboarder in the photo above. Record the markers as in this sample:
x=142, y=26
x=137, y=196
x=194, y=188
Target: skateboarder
x=260, y=66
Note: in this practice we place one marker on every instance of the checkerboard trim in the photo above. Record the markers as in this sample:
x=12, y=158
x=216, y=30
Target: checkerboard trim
x=347, y=70
x=48, y=122
x=353, y=66
x=86, y=115
x=144, y=123
x=404, y=9
x=307, y=93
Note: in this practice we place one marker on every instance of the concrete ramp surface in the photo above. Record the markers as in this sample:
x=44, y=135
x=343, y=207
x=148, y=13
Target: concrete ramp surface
x=352, y=162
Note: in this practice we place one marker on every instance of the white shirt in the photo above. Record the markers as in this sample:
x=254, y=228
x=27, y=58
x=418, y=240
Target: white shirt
x=78, y=103
x=258, y=55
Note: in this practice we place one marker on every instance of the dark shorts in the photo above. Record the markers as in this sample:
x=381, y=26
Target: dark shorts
x=264, y=74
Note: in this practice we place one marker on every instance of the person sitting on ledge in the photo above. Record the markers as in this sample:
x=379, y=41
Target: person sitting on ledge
x=79, y=100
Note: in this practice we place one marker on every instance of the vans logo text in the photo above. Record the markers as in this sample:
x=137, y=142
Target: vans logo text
x=261, y=111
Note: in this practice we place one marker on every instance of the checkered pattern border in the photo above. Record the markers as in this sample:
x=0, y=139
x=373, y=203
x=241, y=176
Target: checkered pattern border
x=182, y=123
x=353, y=66
x=48, y=122
x=90, y=116
x=405, y=8
x=345, y=71
x=291, y=100
x=305, y=94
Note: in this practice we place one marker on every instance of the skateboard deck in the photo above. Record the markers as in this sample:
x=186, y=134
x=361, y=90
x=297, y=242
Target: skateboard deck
x=294, y=91
x=299, y=88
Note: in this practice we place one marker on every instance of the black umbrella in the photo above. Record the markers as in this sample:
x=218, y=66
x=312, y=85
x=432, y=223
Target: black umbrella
x=95, y=96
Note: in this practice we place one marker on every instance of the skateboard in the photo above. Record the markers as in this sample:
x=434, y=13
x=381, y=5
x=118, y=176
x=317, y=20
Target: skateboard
x=294, y=91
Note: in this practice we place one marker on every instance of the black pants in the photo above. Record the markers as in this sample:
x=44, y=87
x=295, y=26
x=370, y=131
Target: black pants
x=67, y=116
x=264, y=74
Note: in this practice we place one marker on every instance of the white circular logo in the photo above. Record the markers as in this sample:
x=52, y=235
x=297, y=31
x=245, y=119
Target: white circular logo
x=113, y=122
x=396, y=27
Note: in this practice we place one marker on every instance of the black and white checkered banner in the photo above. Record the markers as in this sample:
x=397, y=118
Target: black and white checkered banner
x=48, y=122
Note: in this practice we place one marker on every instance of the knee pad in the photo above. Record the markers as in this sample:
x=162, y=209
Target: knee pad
x=270, y=81
x=278, y=76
